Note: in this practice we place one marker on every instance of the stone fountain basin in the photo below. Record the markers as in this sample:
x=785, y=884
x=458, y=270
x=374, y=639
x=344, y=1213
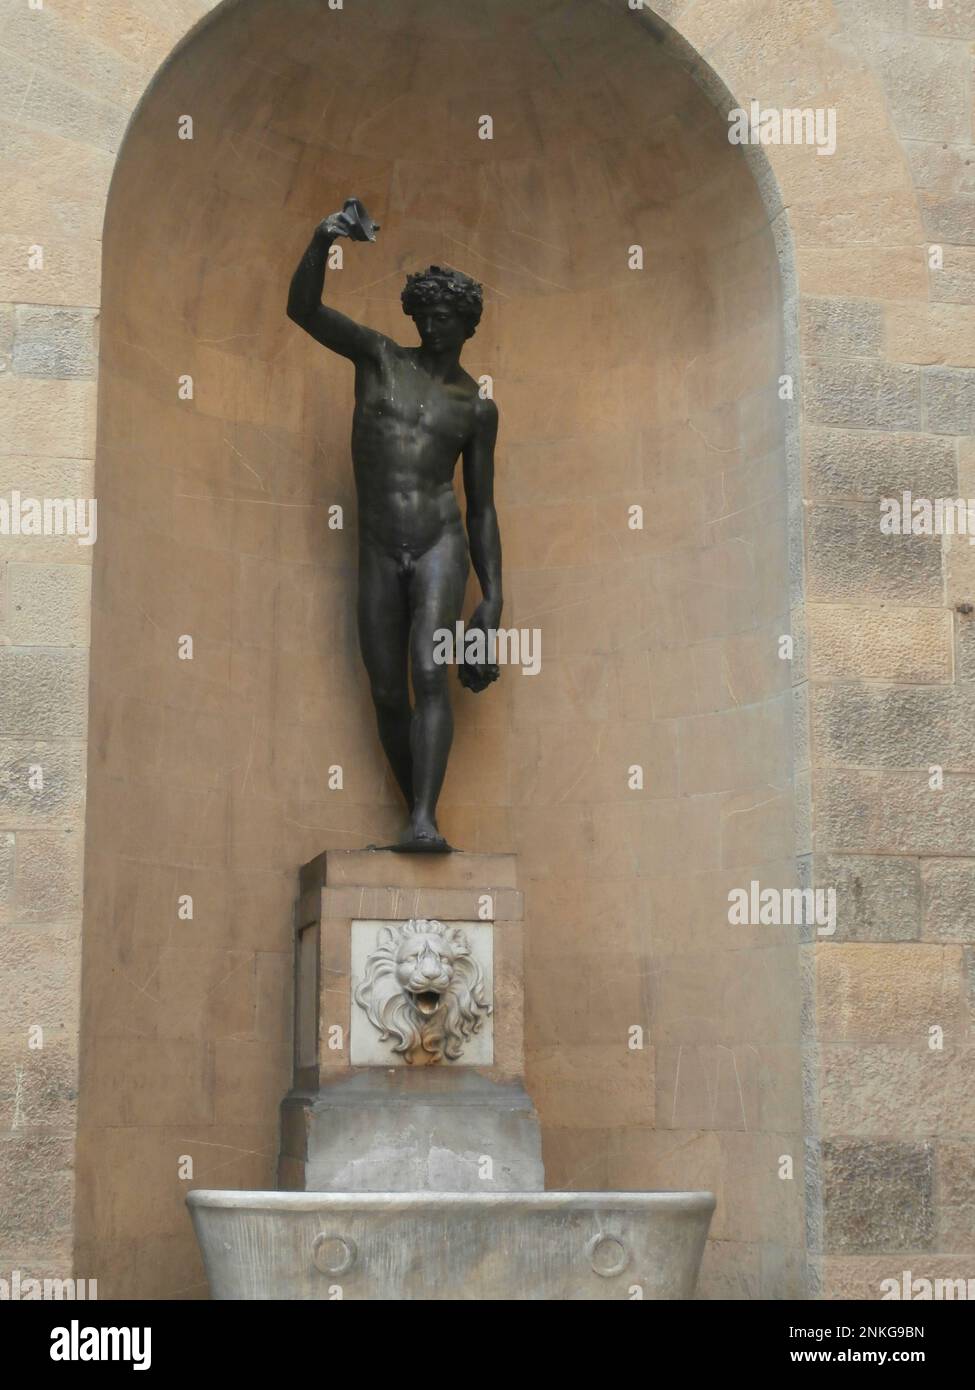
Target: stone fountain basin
x=451, y=1245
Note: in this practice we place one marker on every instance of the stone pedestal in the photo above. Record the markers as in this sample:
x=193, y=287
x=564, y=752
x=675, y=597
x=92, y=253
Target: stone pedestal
x=410, y=1151
x=444, y=1116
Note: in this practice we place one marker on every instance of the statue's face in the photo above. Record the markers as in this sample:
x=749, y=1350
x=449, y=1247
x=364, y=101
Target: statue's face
x=440, y=327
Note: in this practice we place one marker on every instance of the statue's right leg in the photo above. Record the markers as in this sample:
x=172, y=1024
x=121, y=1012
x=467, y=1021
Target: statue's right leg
x=384, y=637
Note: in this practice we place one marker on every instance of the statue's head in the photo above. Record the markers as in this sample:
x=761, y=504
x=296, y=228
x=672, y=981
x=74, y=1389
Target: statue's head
x=445, y=305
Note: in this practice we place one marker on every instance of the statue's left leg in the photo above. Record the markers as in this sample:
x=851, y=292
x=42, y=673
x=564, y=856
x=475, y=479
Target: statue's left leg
x=384, y=629
x=437, y=598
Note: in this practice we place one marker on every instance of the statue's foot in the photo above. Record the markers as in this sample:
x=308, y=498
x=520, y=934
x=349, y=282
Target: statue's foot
x=421, y=838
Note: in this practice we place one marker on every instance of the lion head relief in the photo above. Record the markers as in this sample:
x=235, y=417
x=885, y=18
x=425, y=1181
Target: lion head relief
x=423, y=988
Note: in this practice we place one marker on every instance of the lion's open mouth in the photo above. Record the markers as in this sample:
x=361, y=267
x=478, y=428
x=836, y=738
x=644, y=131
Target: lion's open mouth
x=426, y=1001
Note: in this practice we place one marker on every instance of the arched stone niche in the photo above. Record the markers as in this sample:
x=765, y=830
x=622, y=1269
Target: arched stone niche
x=618, y=387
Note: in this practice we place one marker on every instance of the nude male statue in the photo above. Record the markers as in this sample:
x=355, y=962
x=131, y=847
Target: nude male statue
x=416, y=412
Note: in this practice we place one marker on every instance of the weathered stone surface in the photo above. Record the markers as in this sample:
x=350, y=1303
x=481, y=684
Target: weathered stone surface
x=955, y=1195
x=800, y=726
x=6, y=874
x=803, y=811
x=932, y=333
x=56, y=191
x=950, y=218
x=884, y=1089
x=49, y=876
x=902, y=727
x=38, y=977
x=878, y=898
x=43, y=693
x=959, y=566
x=670, y=10
x=39, y=1086
x=862, y=464
x=851, y=560
x=940, y=168
x=55, y=342
x=56, y=105
x=943, y=19
x=47, y=417
x=6, y=335
x=964, y=624
x=70, y=275
x=868, y=17
x=877, y=1196
x=887, y=992
x=948, y=888
x=954, y=283
x=916, y=818
x=865, y=1276
x=966, y=466
x=54, y=479
x=888, y=644
x=38, y=1188
x=49, y=605
x=925, y=83
x=949, y=400
x=841, y=327
x=866, y=394
x=847, y=811
x=875, y=272
x=77, y=55
x=41, y=783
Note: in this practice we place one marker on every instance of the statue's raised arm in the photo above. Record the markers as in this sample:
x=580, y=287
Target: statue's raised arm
x=327, y=326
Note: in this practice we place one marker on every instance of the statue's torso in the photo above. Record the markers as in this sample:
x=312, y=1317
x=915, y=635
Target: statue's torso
x=407, y=433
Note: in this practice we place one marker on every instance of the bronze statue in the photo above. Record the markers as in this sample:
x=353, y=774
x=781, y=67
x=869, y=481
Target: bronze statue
x=416, y=412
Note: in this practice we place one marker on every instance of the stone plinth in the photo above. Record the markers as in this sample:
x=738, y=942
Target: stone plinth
x=450, y=1115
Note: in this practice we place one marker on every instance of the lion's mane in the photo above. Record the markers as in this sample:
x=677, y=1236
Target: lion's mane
x=390, y=1008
